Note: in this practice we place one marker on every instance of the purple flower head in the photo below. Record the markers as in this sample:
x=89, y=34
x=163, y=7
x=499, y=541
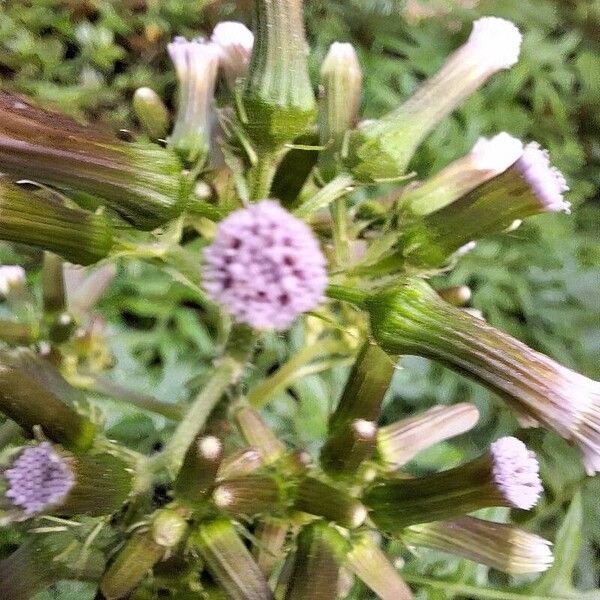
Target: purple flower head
x=548, y=182
x=516, y=472
x=39, y=478
x=264, y=267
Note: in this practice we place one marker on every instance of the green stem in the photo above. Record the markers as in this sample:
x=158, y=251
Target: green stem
x=346, y=294
x=487, y=593
x=336, y=188
x=9, y=430
x=282, y=378
x=340, y=230
x=227, y=370
x=261, y=174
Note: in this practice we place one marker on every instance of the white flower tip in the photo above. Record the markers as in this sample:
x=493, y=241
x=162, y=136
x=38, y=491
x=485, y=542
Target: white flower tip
x=465, y=249
x=516, y=472
x=364, y=429
x=496, y=153
x=233, y=33
x=531, y=553
x=497, y=42
x=548, y=182
x=11, y=276
x=210, y=447
x=222, y=496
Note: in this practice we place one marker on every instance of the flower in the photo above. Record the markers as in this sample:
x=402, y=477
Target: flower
x=38, y=479
x=547, y=182
x=507, y=475
x=496, y=43
x=196, y=63
x=11, y=276
x=516, y=472
x=264, y=267
x=496, y=153
x=412, y=319
x=236, y=42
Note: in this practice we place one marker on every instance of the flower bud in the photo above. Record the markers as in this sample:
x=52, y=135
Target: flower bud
x=47, y=479
x=319, y=498
x=370, y=564
x=316, y=570
x=142, y=182
x=240, y=463
x=33, y=396
x=270, y=534
x=78, y=236
x=11, y=277
x=382, y=149
x=43, y=559
x=365, y=389
x=401, y=441
x=151, y=113
x=257, y=433
x=503, y=547
x=458, y=295
x=349, y=447
x=508, y=475
x=196, y=63
x=199, y=470
x=341, y=83
x=412, y=319
x=229, y=562
x=235, y=41
x=248, y=496
x=487, y=159
x=141, y=552
x=278, y=101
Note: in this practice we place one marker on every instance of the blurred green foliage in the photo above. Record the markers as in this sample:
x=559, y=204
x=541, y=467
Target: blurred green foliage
x=540, y=282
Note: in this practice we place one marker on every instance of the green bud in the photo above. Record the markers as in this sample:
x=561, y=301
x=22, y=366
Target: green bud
x=142, y=182
x=78, y=236
x=240, y=463
x=44, y=559
x=151, y=113
x=229, y=562
x=341, y=83
x=503, y=547
x=278, y=101
x=199, y=470
x=365, y=389
x=249, y=495
x=399, y=442
x=458, y=295
x=257, y=433
x=319, y=498
x=33, y=394
x=346, y=449
x=316, y=571
x=370, y=564
x=270, y=534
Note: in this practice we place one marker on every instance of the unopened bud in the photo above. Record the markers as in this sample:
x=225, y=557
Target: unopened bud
x=258, y=434
x=199, y=470
x=151, y=113
x=316, y=570
x=319, y=498
x=346, y=449
x=228, y=561
x=458, y=295
x=278, y=101
x=240, y=463
x=250, y=495
x=382, y=149
x=235, y=41
x=401, y=441
x=503, y=547
x=368, y=562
